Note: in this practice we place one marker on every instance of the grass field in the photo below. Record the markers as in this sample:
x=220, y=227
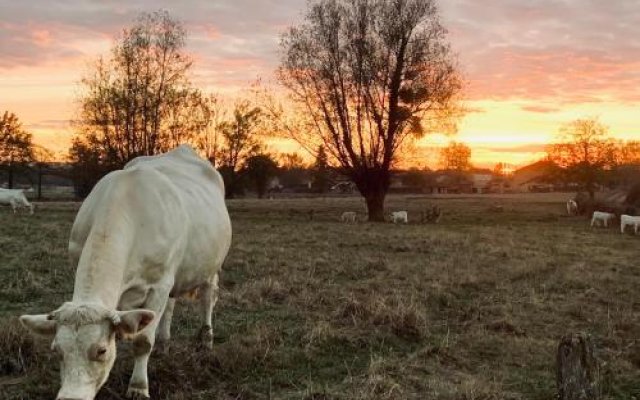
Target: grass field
x=471, y=308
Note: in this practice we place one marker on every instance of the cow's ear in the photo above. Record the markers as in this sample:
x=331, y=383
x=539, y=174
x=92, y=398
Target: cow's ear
x=40, y=324
x=132, y=322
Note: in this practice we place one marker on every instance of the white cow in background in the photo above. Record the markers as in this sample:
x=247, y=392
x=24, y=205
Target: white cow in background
x=399, y=216
x=15, y=198
x=349, y=217
x=629, y=220
x=602, y=218
x=572, y=207
x=152, y=232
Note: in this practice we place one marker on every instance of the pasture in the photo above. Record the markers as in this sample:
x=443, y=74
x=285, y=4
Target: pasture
x=470, y=308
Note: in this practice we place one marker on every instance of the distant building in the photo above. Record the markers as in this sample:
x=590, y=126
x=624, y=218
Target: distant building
x=533, y=177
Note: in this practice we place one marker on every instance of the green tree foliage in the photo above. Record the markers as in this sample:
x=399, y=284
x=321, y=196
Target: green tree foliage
x=16, y=146
x=259, y=169
x=367, y=76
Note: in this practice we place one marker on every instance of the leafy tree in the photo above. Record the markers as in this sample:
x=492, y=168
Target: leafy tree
x=321, y=173
x=456, y=157
x=241, y=141
x=16, y=146
x=367, y=76
x=140, y=101
x=259, y=169
x=585, y=152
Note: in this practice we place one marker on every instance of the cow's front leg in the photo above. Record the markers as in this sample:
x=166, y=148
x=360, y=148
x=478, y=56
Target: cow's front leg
x=164, y=329
x=208, y=300
x=143, y=344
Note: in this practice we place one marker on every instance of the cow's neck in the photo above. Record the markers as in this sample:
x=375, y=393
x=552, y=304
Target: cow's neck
x=102, y=265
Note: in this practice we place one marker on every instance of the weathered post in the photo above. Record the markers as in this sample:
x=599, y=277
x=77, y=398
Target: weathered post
x=578, y=374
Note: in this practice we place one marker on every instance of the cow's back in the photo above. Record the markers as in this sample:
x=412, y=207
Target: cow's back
x=175, y=205
x=201, y=189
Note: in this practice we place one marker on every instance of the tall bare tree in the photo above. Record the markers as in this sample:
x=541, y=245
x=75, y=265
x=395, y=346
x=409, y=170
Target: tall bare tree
x=16, y=147
x=140, y=101
x=585, y=152
x=209, y=140
x=368, y=75
x=241, y=140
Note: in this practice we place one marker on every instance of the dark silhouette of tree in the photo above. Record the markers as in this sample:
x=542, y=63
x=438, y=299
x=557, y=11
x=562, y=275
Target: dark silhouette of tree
x=367, y=76
x=209, y=140
x=259, y=169
x=584, y=152
x=241, y=141
x=16, y=146
x=456, y=157
x=291, y=161
x=321, y=172
x=140, y=101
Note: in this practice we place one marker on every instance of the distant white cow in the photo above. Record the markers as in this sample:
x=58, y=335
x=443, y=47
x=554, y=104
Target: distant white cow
x=399, y=216
x=602, y=218
x=15, y=198
x=572, y=207
x=626, y=220
x=349, y=217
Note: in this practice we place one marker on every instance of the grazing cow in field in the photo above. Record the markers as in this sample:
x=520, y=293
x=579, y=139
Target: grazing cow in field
x=146, y=235
x=15, y=198
x=349, y=217
x=572, y=207
x=602, y=218
x=626, y=220
x=399, y=216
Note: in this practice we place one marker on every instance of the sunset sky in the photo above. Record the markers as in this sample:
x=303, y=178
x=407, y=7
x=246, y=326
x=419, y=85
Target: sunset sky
x=530, y=65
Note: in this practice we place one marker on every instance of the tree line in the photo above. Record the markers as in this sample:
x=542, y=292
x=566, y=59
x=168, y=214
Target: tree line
x=362, y=80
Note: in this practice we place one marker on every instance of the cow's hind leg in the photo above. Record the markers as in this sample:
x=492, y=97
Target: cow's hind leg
x=208, y=300
x=143, y=344
x=164, y=329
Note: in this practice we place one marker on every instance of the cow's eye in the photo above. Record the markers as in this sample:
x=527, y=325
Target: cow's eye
x=98, y=353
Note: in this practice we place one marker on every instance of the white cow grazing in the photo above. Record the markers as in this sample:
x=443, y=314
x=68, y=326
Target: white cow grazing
x=349, y=217
x=603, y=218
x=399, y=216
x=572, y=207
x=147, y=234
x=626, y=220
x=15, y=198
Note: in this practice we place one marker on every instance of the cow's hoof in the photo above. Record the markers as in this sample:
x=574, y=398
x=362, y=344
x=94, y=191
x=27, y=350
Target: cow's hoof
x=138, y=393
x=205, y=338
x=162, y=347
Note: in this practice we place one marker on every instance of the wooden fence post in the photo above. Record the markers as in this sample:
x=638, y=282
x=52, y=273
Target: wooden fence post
x=578, y=375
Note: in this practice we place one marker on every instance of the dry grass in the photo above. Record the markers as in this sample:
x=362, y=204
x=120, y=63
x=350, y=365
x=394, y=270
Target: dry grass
x=471, y=308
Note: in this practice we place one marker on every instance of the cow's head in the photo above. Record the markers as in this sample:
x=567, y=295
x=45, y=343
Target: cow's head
x=84, y=341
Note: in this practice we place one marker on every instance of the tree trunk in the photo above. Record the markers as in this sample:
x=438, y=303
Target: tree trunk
x=577, y=369
x=373, y=186
x=10, y=176
x=375, y=205
x=39, y=181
